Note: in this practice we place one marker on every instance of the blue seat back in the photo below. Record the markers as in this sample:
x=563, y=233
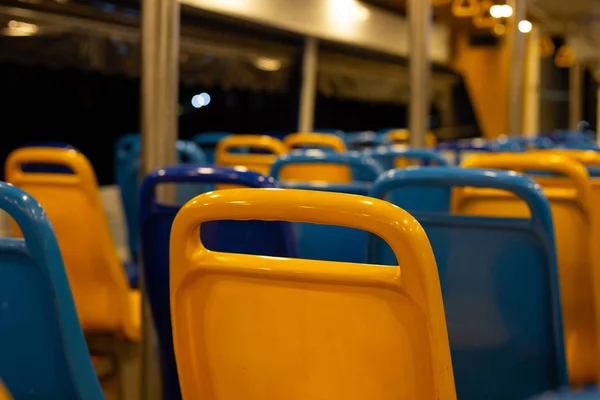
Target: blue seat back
x=365, y=168
x=336, y=132
x=207, y=142
x=46, y=168
x=429, y=199
x=361, y=140
x=43, y=354
x=248, y=237
x=328, y=242
x=127, y=170
x=566, y=394
x=499, y=282
x=457, y=150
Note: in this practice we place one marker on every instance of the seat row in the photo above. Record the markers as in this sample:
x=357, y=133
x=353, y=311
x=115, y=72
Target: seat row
x=515, y=262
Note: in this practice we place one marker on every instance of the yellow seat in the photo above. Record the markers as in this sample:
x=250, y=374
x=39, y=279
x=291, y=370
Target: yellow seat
x=588, y=158
x=321, y=172
x=4, y=395
x=260, y=163
x=402, y=137
x=105, y=302
x=575, y=232
x=265, y=328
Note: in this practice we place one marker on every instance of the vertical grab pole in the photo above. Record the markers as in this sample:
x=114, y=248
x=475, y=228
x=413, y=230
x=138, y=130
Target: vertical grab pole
x=598, y=113
x=420, y=23
x=159, y=120
x=517, y=68
x=308, y=92
x=575, y=96
x=531, y=124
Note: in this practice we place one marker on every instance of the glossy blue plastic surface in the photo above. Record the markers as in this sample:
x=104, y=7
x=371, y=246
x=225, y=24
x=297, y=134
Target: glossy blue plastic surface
x=366, y=167
x=127, y=170
x=473, y=145
x=361, y=140
x=249, y=237
x=499, y=283
x=430, y=199
x=207, y=141
x=59, y=169
x=328, y=242
x=336, y=132
x=387, y=155
x=43, y=354
x=590, y=394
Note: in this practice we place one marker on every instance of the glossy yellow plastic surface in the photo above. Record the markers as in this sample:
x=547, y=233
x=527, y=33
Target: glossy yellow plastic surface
x=575, y=232
x=4, y=395
x=317, y=172
x=266, y=328
x=260, y=163
x=402, y=137
x=104, y=300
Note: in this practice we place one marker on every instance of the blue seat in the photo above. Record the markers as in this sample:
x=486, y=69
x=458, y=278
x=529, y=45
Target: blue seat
x=337, y=132
x=499, y=282
x=364, y=169
x=248, y=237
x=387, y=155
x=43, y=353
x=207, y=142
x=127, y=170
x=565, y=394
x=361, y=140
x=429, y=199
x=328, y=242
x=456, y=150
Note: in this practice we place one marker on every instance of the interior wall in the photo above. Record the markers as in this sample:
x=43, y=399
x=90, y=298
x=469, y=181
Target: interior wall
x=485, y=71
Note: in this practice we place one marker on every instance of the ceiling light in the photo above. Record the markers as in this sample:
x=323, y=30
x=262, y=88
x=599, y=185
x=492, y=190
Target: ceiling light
x=507, y=11
x=18, y=28
x=496, y=11
x=347, y=12
x=525, y=26
x=267, y=64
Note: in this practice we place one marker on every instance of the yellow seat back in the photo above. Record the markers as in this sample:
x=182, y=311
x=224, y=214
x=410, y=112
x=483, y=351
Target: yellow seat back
x=575, y=233
x=260, y=163
x=259, y=328
x=4, y=395
x=328, y=173
x=402, y=137
x=74, y=207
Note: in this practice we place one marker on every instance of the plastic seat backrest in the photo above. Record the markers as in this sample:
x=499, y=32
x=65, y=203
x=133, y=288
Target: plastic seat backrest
x=402, y=136
x=330, y=242
x=48, y=168
x=365, y=167
x=422, y=199
x=491, y=316
x=44, y=354
x=207, y=142
x=320, y=142
x=74, y=207
x=260, y=163
x=360, y=140
x=297, y=329
x=455, y=152
x=4, y=394
x=127, y=174
x=575, y=234
x=247, y=237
